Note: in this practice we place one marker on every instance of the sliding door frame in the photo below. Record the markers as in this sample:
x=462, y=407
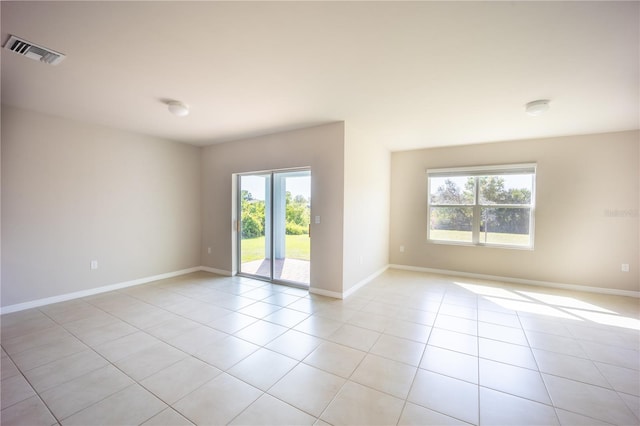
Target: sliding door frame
x=270, y=238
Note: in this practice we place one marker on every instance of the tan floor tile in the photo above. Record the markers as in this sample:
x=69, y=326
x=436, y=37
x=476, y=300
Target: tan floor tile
x=49, y=352
x=179, y=379
x=514, y=380
x=573, y=419
x=336, y=359
x=7, y=368
x=217, y=402
x=281, y=299
x=226, y=352
x=167, y=417
x=232, y=322
x=612, y=355
x=621, y=379
x=268, y=410
x=416, y=315
x=414, y=414
x=172, y=328
x=553, y=343
x=64, y=370
x=451, y=340
x=380, y=308
x=445, y=395
x=72, y=310
x=34, y=323
x=113, y=301
x=570, y=367
x=408, y=330
x=194, y=340
x=294, y=344
x=357, y=404
x=148, y=361
x=28, y=341
x=500, y=318
x=450, y=363
x=261, y=332
x=144, y=318
x=589, y=400
x=459, y=307
x=457, y=324
x=259, y=310
x=497, y=408
x=632, y=401
x=544, y=325
x=369, y=321
x=507, y=353
x=337, y=312
x=252, y=369
x=207, y=313
x=118, y=349
x=130, y=406
x=307, y=388
x=75, y=395
x=228, y=301
x=97, y=336
x=393, y=308
x=29, y=412
x=385, y=375
x=20, y=318
x=318, y=326
x=84, y=325
x=502, y=333
x=398, y=349
x=286, y=317
x=354, y=337
x=14, y=390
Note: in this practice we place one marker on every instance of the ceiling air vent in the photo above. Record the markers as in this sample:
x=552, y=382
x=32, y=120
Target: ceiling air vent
x=33, y=51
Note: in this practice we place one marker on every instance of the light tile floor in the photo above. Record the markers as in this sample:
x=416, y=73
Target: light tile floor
x=409, y=348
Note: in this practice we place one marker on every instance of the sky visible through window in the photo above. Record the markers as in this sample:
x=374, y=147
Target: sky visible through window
x=295, y=185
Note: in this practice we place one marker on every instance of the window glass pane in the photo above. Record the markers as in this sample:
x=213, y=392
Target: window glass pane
x=451, y=223
x=506, y=189
x=508, y=226
x=452, y=190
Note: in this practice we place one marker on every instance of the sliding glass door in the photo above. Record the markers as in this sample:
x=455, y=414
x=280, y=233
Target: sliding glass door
x=274, y=234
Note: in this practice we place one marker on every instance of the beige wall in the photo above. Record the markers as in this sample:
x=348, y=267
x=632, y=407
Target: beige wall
x=366, y=207
x=586, y=221
x=322, y=149
x=74, y=192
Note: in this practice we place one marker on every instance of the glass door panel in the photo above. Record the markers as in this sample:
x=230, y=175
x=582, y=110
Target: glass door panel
x=291, y=219
x=274, y=237
x=255, y=225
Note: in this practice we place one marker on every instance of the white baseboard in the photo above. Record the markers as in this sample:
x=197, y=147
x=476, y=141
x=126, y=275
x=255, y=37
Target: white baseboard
x=321, y=292
x=217, y=271
x=103, y=289
x=612, y=291
x=364, y=281
x=353, y=289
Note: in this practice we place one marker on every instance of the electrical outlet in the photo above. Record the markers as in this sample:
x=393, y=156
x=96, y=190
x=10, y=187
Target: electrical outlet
x=401, y=249
x=94, y=264
x=624, y=267
x=209, y=250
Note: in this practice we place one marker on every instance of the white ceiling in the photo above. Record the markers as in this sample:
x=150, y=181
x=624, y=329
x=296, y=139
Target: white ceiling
x=408, y=75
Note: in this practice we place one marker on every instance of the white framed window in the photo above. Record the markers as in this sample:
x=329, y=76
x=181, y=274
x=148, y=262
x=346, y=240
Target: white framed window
x=484, y=206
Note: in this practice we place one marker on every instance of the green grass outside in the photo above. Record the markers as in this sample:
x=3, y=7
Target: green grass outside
x=492, y=237
x=296, y=247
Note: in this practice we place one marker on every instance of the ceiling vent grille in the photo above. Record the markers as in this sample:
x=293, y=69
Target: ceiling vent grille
x=33, y=51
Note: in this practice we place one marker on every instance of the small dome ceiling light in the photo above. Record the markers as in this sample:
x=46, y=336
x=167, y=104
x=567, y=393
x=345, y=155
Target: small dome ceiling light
x=538, y=107
x=178, y=108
